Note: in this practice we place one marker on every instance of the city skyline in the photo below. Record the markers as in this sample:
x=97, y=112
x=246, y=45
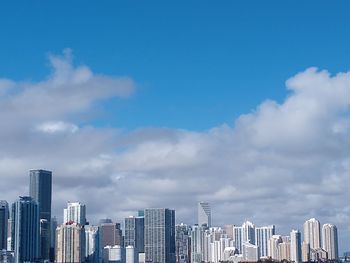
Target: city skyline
x=241, y=104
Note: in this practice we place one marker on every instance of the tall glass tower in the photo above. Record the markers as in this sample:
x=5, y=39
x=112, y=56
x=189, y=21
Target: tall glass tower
x=204, y=214
x=25, y=230
x=4, y=216
x=41, y=191
x=134, y=233
x=160, y=235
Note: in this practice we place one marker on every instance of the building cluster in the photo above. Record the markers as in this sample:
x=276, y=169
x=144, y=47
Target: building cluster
x=29, y=233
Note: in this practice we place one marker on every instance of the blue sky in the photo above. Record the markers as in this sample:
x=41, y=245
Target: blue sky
x=156, y=138
x=197, y=64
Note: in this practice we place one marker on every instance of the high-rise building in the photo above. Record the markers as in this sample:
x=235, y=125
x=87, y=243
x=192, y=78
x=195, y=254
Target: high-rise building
x=160, y=235
x=92, y=244
x=70, y=243
x=262, y=236
x=330, y=240
x=204, y=214
x=250, y=252
x=295, y=246
x=119, y=239
x=312, y=233
x=182, y=243
x=41, y=191
x=25, y=230
x=131, y=256
x=110, y=233
x=237, y=238
x=273, y=247
x=305, y=252
x=197, y=244
x=134, y=233
x=284, y=250
x=4, y=218
x=248, y=232
x=75, y=212
x=229, y=230
x=53, y=238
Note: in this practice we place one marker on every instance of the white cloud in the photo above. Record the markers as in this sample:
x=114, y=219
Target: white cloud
x=282, y=163
x=57, y=127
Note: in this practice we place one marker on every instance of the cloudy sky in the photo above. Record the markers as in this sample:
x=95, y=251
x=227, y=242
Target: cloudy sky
x=167, y=105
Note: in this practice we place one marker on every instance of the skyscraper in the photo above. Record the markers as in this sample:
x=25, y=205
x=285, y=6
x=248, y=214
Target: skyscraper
x=160, y=235
x=248, y=229
x=4, y=217
x=92, y=244
x=75, y=212
x=330, y=240
x=41, y=191
x=53, y=238
x=110, y=233
x=25, y=230
x=70, y=243
x=295, y=246
x=312, y=233
x=204, y=214
x=197, y=244
x=182, y=240
x=273, y=247
x=237, y=238
x=134, y=233
x=262, y=236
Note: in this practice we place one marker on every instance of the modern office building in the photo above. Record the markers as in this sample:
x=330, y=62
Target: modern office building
x=182, y=243
x=330, y=240
x=40, y=189
x=135, y=233
x=70, y=243
x=92, y=244
x=295, y=246
x=312, y=233
x=160, y=235
x=75, y=212
x=237, y=238
x=119, y=238
x=110, y=233
x=25, y=230
x=248, y=232
x=4, y=218
x=53, y=238
x=262, y=236
x=197, y=244
x=204, y=214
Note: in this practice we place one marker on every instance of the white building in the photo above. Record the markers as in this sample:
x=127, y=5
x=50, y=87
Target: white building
x=197, y=244
x=262, y=236
x=113, y=254
x=250, y=252
x=248, y=232
x=75, y=212
x=312, y=233
x=273, y=246
x=295, y=246
x=92, y=244
x=204, y=214
x=237, y=238
x=330, y=240
x=131, y=255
